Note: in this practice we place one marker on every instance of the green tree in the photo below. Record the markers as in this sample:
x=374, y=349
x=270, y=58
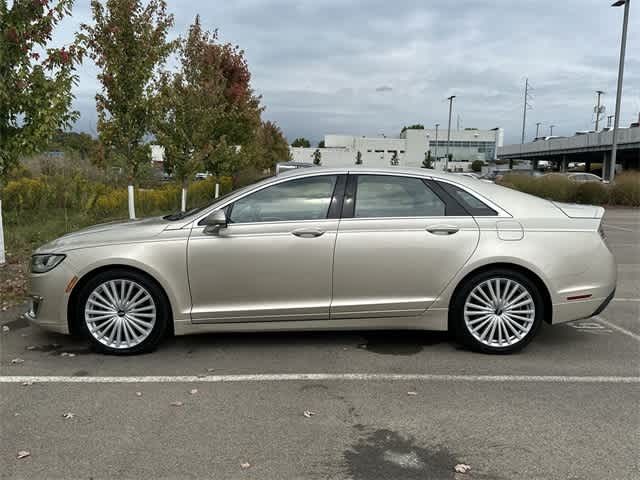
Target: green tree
x=417, y=126
x=128, y=43
x=427, y=162
x=317, y=157
x=301, y=142
x=274, y=146
x=35, y=86
x=359, y=158
x=321, y=144
x=477, y=165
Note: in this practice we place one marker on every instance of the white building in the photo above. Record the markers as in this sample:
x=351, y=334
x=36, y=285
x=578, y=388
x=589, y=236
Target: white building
x=409, y=150
x=157, y=154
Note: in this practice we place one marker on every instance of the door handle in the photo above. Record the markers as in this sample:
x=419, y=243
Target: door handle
x=308, y=232
x=443, y=229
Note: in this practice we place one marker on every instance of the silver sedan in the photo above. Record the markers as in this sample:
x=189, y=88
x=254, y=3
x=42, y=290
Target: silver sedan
x=330, y=249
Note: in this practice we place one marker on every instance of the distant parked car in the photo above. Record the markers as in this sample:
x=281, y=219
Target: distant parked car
x=579, y=177
x=203, y=175
x=282, y=167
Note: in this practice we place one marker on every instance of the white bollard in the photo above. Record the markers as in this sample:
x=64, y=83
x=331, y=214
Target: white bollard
x=183, y=203
x=2, y=257
x=132, y=204
x=217, y=190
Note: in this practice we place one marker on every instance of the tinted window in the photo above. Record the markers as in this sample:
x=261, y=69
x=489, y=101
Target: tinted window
x=470, y=203
x=388, y=196
x=301, y=199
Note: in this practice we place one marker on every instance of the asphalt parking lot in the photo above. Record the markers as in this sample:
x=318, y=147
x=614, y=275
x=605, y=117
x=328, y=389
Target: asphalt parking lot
x=389, y=405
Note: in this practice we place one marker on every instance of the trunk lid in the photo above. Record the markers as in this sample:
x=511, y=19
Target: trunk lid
x=574, y=210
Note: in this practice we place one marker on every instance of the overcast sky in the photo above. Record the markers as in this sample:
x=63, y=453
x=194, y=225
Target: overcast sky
x=370, y=67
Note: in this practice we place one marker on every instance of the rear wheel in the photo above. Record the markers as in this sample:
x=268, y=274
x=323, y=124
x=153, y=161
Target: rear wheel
x=122, y=312
x=497, y=311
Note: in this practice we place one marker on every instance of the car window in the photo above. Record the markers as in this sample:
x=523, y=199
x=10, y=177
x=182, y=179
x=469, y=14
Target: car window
x=470, y=203
x=390, y=196
x=300, y=199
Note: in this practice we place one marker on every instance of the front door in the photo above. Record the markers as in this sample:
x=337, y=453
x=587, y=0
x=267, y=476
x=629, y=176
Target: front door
x=398, y=250
x=273, y=262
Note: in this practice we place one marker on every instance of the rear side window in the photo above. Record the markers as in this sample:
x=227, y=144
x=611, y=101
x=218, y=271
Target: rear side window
x=471, y=203
x=390, y=196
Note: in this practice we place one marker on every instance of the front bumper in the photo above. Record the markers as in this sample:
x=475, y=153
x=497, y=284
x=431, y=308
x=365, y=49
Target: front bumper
x=49, y=300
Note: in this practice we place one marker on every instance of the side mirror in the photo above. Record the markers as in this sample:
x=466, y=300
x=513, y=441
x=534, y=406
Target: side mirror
x=214, y=222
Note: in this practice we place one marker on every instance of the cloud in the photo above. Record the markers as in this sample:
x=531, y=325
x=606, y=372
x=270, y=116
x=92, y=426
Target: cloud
x=321, y=66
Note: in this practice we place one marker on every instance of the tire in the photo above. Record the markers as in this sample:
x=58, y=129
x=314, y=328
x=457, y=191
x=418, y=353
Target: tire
x=497, y=311
x=122, y=312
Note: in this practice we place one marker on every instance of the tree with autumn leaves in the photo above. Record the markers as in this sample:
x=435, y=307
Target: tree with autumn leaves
x=208, y=117
x=35, y=79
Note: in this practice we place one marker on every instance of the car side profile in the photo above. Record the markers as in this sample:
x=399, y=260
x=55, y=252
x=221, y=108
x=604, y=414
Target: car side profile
x=332, y=249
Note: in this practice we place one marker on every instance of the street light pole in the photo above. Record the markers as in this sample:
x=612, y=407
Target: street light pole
x=616, y=119
x=599, y=92
x=436, y=152
x=446, y=160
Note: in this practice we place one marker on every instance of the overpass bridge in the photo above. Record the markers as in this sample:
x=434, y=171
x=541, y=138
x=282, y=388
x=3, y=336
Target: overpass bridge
x=590, y=148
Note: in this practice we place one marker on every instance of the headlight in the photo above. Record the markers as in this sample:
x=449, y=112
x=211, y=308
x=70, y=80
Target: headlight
x=45, y=263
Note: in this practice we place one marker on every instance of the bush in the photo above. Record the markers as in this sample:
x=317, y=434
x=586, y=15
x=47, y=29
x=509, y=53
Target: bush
x=477, y=165
x=624, y=191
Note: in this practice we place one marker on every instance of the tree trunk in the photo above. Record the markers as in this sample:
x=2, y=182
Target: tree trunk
x=132, y=203
x=2, y=257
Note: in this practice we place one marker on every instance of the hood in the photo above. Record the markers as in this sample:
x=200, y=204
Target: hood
x=575, y=210
x=107, y=233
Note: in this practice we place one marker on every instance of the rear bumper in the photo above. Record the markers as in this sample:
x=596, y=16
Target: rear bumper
x=577, y=310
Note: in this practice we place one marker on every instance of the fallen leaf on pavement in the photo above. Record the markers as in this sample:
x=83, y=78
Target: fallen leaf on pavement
x=23, y=454
x=411, y=394
x=27, y=383
x=176, y=404
x=138, y=394
x=17, y=361
x=211, y=369
x=363, y=345
x=245, y=465
x=193, y=391
x=5, y=328
x=64, y=354
x=308, y=413
x=68, y=415
x=71, y=355
x=462, y=468
x=31, y=347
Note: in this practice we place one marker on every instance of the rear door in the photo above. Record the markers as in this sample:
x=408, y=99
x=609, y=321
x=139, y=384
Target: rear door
x=400, y=241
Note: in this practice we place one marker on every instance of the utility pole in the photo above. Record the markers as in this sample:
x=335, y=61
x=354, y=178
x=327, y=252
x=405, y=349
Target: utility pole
x=526, y=106
x=538, y=128
x=446, y=160
x=609, y=117
x=436, y=149
x=616, y=120
x=551, y=130
x=599, y=92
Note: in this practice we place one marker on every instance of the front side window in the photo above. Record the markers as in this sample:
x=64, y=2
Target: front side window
x=301, y=199
x=390, y=196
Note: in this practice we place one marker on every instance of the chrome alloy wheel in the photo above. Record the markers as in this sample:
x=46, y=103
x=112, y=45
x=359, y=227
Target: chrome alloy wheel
x=499, y=312
x=120, y=313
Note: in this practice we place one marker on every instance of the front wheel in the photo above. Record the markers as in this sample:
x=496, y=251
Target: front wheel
x=122, y=312
x=497, y=311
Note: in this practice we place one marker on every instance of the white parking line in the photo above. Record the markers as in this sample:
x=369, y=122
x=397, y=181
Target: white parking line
x=281, y=377
x=626, y=300
x=619, y=329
